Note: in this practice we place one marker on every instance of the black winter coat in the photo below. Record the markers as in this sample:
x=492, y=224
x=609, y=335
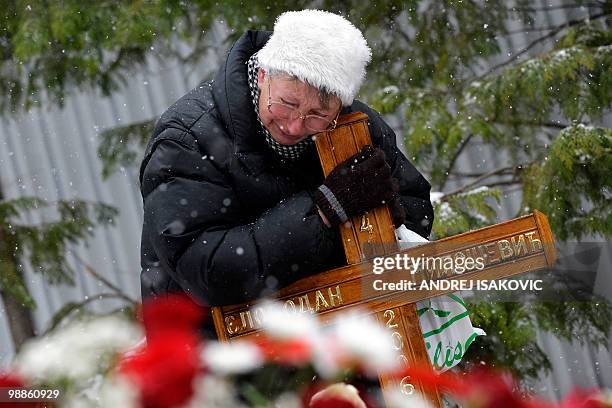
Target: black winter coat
x=225, y=219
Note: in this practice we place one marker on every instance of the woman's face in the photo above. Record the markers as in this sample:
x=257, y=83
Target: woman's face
x=297, y=95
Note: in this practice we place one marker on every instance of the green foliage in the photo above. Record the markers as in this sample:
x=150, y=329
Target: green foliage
x=511, y=339
x=47, y=48
x=511, y=326
x=121, y=146
x=573, y=185
x=72, y=311
x=568, y=322
x=44, y=245
x=514, y=108
x=270, y=381
x=11, y=281
x=457, y=213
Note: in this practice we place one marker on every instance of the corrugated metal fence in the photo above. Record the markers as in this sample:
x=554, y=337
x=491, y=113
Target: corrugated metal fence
x=52, y=154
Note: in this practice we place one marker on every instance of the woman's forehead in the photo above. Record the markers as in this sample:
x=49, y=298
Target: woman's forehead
x=304, y=93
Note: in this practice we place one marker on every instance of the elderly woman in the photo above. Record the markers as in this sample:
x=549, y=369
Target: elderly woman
x=235, y=202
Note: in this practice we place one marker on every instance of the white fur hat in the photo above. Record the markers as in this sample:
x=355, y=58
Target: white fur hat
x=320, y=48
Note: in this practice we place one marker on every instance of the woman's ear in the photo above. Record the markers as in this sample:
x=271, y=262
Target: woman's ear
x=261, y=75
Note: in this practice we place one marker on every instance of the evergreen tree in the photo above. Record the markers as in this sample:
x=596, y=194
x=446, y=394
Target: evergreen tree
x=440, y=66
x=44, y=246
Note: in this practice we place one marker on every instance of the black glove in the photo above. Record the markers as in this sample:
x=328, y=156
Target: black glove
x=356, y=185
x=397, y=212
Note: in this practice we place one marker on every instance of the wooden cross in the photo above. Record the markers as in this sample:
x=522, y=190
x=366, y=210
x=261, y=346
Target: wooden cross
x=509, y=248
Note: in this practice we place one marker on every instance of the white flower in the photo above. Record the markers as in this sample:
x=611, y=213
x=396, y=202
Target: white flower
x=104, y=393
x=284, y=324
x=213, y=392
x=119, y=392
x=231, y=358
x=288, y=400
x=76, y=352
x=364, y=339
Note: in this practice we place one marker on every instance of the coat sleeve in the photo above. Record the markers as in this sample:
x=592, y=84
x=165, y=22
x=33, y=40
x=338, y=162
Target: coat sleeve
x=203, y=240
x=414, y=189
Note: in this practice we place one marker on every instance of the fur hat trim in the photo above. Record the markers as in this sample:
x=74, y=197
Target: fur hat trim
x=320, y=48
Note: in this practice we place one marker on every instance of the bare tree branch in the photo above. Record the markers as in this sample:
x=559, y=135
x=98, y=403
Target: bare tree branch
x=557, y=7
x=532, y=124
x=102, y=279
x=461, y=190
x=468, y=174
x=535, y=42
x=499, y=171
x=404, y=35
x=450, y=166
x=530, y=30
x=503, y=183
x=76, y=306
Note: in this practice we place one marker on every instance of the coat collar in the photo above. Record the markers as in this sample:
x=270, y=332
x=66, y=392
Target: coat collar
x=232, y=95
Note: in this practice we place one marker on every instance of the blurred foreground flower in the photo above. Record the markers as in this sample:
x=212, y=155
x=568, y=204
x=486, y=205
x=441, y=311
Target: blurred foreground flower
x=10, y=380
x=361, y=340
x=106, y=363
x=169, y=314
x=77, y=352
x=352, y=340
x=232, y=358
x=337, y=396
x=164, y=371
x=485, y=388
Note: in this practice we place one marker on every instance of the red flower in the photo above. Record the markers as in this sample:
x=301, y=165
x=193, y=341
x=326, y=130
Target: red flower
x=490, y=389
x=448, y=382
x=164, y=370
x=290, y=352
x=10, y=380
x=582, y=399
x=332, y=402
x=337, y=396
x=171, y=313
x=479, y=388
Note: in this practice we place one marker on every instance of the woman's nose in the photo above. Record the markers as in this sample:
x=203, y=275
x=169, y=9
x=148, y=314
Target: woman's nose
x=295, y=127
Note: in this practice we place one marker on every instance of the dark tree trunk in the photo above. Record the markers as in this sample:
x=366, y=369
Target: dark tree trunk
x=18, y=315
x=19, y=320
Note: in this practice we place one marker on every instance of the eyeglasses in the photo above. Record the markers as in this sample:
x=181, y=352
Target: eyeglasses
x=313, y=123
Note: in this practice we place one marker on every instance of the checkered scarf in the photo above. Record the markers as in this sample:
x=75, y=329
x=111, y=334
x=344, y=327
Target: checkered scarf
x=290, y=152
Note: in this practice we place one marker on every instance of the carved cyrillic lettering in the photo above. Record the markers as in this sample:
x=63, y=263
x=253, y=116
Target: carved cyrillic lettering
x=305, y=304
x=505, y=250
x=536, y=244
x=258, y=316
x=290, y=305
x=483, y=253
x=492, y=256
x=247, y=320
x=229, y=322
x=471, y=253
x=320, y=302
x=335, y=296
x=520, y=246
